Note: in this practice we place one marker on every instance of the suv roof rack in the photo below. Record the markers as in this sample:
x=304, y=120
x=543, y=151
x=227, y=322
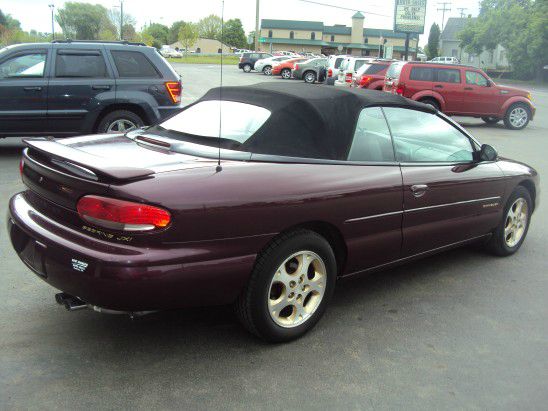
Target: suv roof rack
x=124, y=42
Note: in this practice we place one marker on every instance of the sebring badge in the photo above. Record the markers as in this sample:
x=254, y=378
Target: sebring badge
x=79, y=265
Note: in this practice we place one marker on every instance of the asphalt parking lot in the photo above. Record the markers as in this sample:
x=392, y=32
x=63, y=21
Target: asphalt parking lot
x=461, y=330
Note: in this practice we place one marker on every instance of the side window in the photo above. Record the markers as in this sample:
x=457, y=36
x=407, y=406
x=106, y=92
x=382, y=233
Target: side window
x=133, y=64
x=85, y=64
x=425, y=137
x=475, y=78
x=24, y=66
x=371, y=140
x=448, y=75
x=422, y=74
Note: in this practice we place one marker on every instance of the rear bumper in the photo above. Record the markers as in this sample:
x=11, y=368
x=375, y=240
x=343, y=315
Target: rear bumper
x=167, y=111
x=126, y=278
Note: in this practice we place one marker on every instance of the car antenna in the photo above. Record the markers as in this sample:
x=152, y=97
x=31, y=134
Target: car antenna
x=219, y=167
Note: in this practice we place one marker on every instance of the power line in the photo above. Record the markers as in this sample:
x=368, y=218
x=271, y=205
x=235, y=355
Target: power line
x=344, y=8
x=443, y=9
x=461, y=10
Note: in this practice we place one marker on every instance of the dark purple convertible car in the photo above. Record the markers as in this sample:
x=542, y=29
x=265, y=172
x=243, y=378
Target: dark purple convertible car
x=312, y=184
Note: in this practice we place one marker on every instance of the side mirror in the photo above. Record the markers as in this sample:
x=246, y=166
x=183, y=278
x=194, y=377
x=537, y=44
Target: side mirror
x=487, y=153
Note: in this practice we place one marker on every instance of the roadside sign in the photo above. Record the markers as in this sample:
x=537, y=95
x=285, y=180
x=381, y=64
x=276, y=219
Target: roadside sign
x=339, y=47
x=409, y=16
x=249, y=39
x=388, y=52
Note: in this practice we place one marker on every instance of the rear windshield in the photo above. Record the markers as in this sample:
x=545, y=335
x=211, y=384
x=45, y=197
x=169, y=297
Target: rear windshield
x=200, y=123
x=358, y=64
x=338, y=62
x=394, y=70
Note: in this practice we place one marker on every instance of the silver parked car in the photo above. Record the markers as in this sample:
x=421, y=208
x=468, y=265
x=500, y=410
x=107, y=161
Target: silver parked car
x=309, y=70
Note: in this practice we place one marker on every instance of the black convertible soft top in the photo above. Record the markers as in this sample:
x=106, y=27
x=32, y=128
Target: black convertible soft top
x=307, y=120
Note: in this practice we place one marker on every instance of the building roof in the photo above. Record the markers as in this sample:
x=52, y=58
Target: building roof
x=291, y=24
x=337, y=29
x=358, y=15
x=453, y=26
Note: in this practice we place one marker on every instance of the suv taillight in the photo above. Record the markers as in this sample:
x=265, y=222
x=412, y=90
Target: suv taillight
x=121, y=215
x=330, y=73
x=348, y=77
x=21, y=166
x=174, y=88
x=400, y=89
x=296, y=66
x=365, y=80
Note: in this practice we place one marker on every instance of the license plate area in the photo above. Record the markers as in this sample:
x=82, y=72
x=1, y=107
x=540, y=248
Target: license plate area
x=33, y=255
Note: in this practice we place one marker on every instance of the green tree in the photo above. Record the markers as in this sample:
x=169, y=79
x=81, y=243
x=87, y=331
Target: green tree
x=159, y=32
x=210, y=27
x=129, y=33
x=234, y=34
x=188, y=34
x=84, y=21
x=114, y=17
x=173, y=35
x=432, y=48
x=520, y=26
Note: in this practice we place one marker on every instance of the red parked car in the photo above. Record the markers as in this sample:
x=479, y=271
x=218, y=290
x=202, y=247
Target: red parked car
x=371, y=75
x=303, y=186
x=461, y=91
x=284, y=68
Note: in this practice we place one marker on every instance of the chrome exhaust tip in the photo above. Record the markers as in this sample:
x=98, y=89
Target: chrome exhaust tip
x=70, y=302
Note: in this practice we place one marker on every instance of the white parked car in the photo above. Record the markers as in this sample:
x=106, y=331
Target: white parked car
x=167, y=51
x=265, y=65
x=349, y=68
x=445, y=60
x=333, y=65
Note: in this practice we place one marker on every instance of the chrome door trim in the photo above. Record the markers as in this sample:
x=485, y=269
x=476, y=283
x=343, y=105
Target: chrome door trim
x=369, y=217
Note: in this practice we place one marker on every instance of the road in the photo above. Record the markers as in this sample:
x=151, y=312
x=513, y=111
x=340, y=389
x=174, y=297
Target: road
x=461, y=330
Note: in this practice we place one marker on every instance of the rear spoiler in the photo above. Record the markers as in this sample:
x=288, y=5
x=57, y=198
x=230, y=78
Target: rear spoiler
x=81, y=163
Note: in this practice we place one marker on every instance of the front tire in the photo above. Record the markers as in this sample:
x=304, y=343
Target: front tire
x=286, y=74
x=247, y=68
x=120, y=121
x=289, y=288
x=512, y=230
x=517, y=116
x=309, y=77
x=267, y=70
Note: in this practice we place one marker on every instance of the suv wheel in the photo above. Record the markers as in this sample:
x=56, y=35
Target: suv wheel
x=267, y=70
x=247, y=68
x=289, y=288
x=491, y=120
x=286, y=74
x=517, y=116
x=309, y=77
x=120, y=121
x=431, y=102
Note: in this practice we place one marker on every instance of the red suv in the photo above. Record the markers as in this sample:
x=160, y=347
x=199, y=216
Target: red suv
x=371, y=75
x=460, y=91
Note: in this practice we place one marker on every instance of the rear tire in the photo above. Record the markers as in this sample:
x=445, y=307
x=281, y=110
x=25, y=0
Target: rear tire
x=512, y=230
x=289, y=287
x=286, y=74
x=247, y=68
x=120, y=121
x=431, y=102
x=517, y=116
x=267, y=70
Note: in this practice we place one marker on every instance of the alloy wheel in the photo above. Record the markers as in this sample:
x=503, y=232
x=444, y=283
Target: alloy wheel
x=286, y=74
x=247, y=68
x=516, y=222
x=297, y=289
x=310, y=77
x=267, y=70
x=518, y=117
x=121, y=126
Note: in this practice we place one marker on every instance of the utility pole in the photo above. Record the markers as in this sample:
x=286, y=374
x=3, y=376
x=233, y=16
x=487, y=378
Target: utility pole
x=52, y=7
x=121, y=19
x=461, y=10
x=443, y=9
x=257, y=33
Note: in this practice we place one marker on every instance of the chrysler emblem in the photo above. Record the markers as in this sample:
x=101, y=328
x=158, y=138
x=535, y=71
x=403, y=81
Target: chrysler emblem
x=40, y=179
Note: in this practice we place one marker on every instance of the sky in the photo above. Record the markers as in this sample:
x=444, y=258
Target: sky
x=35, y=14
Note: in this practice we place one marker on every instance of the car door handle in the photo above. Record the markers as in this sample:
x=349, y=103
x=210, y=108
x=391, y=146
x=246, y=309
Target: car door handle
x=99, y=87
x=419, y=189
x=438, y=86
x=468, y=88
x=34, y=88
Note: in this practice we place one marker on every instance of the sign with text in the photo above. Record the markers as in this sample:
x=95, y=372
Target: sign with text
x=409, y=16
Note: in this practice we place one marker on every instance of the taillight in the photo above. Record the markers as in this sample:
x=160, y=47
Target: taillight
x=122, y=215
x=365, y=80
x=174, y=88
x=400, y=89
x=21, y=166
x=330, y=73
x=348, y=77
